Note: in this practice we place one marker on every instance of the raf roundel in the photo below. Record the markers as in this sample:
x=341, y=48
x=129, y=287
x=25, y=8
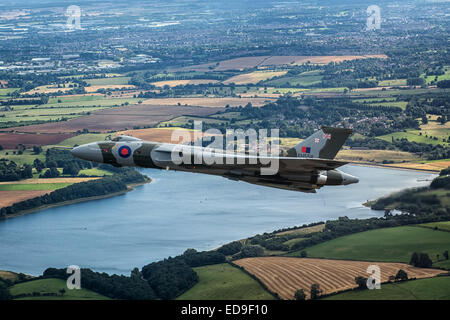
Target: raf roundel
x=124, y=151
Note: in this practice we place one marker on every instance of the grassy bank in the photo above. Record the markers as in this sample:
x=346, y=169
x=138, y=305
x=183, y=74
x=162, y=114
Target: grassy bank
x=223, y=281
x=388, y=244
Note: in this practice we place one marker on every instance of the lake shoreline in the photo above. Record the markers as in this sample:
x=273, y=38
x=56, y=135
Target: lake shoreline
x=364, y=164
x=130, y=188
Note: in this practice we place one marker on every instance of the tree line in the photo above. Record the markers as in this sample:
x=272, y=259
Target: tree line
x=93, y=188
x=10, y=171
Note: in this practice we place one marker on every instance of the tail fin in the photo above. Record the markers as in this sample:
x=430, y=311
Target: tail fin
x=324, y=144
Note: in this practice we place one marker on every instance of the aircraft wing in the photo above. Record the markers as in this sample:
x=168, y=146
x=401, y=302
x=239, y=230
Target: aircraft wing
x=233, y=161
x=297, y=174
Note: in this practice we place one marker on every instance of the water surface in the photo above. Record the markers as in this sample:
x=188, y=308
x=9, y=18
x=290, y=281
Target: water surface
x=179, y=211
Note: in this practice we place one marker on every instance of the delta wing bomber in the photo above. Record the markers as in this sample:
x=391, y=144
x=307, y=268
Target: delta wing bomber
x=308, y=166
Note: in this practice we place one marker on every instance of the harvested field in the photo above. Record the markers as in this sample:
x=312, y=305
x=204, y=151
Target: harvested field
x=47, y=89
x=252, y=62
x=10, y=197
x=434, y=166
x=209, y=102
x=8, y=275
x=376, y=155
x=159, y=134
x=285, y=275
x=120, y=118
x=301, y=231
x=11, y=140
x=254, y=77
x=174, y=83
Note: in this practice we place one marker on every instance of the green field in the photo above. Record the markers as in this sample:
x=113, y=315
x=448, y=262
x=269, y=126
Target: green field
x=223, y=282
x=95, y=172
x=100, y=102
x=76, y=98
x=53, y=286
x=400, y=104
x=69, y=107
x=291, y=242
x=32, y=186
x=437, y=288
x=443, y=225
x=392, y=83
x=388, y=244
x=375, y=100
x=45, y=114
x=5, y=91
x=108, y=81
x=414, y=136
x=83, y=139
x=27, y=157
x=395, y=92
x=445, y=76
x=300, y=80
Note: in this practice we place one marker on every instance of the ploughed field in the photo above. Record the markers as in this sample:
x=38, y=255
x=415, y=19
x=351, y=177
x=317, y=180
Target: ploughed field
x=119, y=118
x=262, y=61
x=9, y=197
x=284, y=275
x=10, y=140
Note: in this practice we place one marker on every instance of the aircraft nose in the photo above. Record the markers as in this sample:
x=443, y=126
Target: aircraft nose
x=349, y=179
x=89, y=152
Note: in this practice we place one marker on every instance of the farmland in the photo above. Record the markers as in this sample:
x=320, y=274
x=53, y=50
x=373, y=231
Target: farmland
x=285, y=275
x=32, y=186
x=17, y=191
x=442, y=225
x=52, y=286
x=108, y=81
x=423, y=289
x=83, y=139
x=120, y=118
x=388, y=244
x=10, y=197
x=252, y=62
x=254, y=77
x=376, y=156
x=174, y=83
x=223, y=281
x=11, y=140
x=159, y=134
x=207, y=102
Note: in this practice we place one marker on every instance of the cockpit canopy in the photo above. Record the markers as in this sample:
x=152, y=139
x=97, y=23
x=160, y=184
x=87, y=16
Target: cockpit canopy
x=124, y=138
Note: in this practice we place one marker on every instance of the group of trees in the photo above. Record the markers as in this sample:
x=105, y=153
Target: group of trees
x=164, y=279
x=420, y=260
x=112, y=286
x=417, y=201
x=56, y=158
x=430, y=151
x=344, y=226
x=314, y=293
x=93, y=188
x=300, y=118
x=10, y=171
x=4, y=291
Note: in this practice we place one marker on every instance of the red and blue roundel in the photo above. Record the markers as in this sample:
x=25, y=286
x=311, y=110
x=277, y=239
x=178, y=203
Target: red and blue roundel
x=124, y=151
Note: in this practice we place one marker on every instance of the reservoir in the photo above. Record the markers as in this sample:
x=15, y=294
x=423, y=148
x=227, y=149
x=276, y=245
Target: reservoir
x=178, y=211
